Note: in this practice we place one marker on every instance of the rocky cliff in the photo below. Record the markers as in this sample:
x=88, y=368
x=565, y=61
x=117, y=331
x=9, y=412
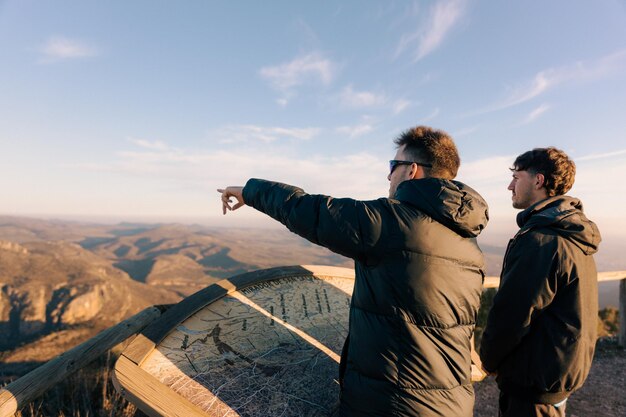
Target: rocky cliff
x=48, y=286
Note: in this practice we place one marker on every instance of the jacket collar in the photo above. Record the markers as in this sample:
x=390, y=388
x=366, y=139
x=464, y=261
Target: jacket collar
x=451, y=203
x=564, y=215
x=548, y=211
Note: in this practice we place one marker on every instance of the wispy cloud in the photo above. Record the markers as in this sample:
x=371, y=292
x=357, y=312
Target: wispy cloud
x=538, y=85
x=349, y=98
x=306, y=32
x=547, y=79
x=429, y=78
x=442, y=18
x=205, y=170
x=602, y=155
x=465, y=131
x=285, y=77
x=264, y=134
x=199, y=172
x=430, y=116
x=535, y=114
x=61, y=48
x=356, y=130
x=153, y=145
x=599, y=180
x=400, y=105
x=489, y=169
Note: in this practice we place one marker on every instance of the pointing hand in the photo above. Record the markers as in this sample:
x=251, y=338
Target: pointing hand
x=229, y=192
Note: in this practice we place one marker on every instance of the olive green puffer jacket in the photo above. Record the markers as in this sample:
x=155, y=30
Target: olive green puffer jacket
x=419, y=275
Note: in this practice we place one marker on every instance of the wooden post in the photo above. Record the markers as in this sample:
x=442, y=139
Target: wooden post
x=25, y=389
x=622, y=313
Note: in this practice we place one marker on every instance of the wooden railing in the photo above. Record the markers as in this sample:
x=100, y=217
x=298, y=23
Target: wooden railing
x=22, y=391
x=32, y=385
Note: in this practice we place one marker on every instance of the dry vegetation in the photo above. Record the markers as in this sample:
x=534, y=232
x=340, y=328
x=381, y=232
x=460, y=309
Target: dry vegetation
x=87, y=393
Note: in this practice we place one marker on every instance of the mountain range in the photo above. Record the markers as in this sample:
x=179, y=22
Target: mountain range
x=62, y=281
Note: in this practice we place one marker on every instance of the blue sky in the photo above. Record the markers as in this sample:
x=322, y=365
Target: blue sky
x=140, y=110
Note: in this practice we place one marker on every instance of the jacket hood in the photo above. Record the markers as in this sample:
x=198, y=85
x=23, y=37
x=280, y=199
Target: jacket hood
x=451, y=203
x=565, y=215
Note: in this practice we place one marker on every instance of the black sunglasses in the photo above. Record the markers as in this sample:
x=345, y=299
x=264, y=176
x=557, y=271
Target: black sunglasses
x=395, y=162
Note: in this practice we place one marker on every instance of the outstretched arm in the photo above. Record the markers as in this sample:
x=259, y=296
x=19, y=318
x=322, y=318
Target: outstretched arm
x=345, y=226
x=227, y=193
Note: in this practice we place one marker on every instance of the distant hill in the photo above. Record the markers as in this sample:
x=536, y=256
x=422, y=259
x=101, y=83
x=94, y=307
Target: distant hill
x=64, y=281
x=185, y=259
x=61, y=282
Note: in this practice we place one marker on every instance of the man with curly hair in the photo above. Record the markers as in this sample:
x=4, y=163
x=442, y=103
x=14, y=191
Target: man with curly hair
x=541, y=331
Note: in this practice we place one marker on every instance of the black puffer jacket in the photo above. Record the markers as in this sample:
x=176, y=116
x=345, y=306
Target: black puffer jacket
x=541, y=331
x=417, y=290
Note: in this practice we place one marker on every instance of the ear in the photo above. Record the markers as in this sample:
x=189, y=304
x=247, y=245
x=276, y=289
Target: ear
x=416, y=172
x=540, y=180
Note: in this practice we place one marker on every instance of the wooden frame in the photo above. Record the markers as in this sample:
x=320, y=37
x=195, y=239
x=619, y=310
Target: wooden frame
x=149, y=394
x=25, y=389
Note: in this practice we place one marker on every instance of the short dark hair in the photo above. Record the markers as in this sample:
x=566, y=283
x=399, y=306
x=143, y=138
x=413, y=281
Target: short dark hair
x=431, y=146
x=558, y=170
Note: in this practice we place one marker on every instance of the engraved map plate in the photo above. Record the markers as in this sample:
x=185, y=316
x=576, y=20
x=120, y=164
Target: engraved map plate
x=270, y=349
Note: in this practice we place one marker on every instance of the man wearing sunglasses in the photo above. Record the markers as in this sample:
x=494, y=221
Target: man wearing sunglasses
x=419, y=274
